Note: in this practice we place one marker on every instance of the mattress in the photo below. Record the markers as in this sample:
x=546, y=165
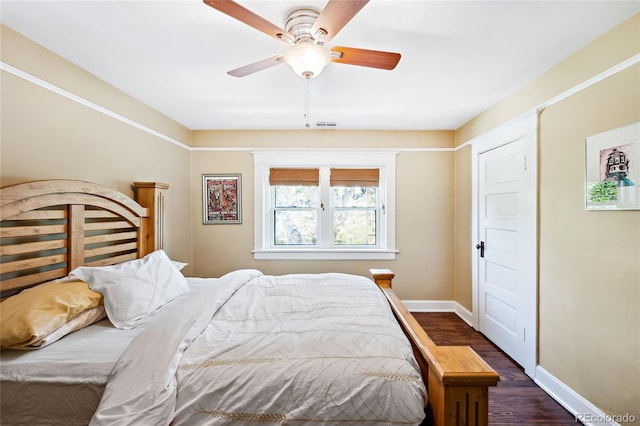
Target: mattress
x=77, y=366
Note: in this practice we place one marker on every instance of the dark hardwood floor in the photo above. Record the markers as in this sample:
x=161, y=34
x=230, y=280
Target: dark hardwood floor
x=517, y=400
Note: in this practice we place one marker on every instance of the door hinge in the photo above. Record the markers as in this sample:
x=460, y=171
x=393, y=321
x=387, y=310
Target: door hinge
x=525, y=162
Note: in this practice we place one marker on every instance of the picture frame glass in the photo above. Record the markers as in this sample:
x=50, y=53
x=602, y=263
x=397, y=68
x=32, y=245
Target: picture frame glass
x=221, y=199
x=612, y=171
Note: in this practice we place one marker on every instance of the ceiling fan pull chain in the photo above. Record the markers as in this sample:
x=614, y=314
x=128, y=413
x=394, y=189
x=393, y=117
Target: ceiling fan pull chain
x=306, y=102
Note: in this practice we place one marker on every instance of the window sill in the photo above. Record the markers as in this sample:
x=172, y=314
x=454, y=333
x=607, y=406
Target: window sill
x=329, y=254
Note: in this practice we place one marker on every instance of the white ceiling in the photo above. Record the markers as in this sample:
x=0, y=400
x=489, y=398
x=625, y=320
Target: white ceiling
x=458, y=57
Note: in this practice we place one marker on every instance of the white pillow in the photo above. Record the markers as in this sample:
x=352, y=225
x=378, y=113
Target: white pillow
x=179, y=265
x=136, y=289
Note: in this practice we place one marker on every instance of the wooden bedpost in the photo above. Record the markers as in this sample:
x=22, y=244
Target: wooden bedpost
x=152, y=196
x=457, y=379
x=382, y=277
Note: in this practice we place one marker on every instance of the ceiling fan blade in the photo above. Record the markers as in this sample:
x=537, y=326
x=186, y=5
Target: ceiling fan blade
x=335, y=15
x=365, y=58
x=244, y=15
x=257, y=66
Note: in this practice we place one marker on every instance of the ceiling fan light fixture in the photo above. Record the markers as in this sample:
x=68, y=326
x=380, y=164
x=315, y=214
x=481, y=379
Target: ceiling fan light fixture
x=307, y=59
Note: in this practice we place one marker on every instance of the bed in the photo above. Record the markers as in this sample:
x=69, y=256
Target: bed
x=275, y=350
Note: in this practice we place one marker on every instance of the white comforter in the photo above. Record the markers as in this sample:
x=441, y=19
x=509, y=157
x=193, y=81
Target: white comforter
x=294, y=349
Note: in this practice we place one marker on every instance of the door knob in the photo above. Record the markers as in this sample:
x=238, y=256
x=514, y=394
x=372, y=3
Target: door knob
x=481, y=248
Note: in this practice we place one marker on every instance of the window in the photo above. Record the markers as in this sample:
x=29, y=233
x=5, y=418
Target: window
x=295, y=206
x=300, y=212
x=324, y=205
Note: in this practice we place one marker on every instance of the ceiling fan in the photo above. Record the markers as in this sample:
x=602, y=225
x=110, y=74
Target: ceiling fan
x=306, y=31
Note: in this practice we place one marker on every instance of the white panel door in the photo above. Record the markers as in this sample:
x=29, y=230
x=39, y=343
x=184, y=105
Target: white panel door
x=506, y=284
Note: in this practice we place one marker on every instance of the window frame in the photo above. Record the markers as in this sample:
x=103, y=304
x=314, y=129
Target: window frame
x=264, y=249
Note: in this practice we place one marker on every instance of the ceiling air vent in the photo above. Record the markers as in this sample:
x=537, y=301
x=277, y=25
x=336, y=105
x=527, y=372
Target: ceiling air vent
x=327, y=124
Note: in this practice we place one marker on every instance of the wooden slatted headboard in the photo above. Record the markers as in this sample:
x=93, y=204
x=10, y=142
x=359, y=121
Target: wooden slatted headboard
x=50, y=227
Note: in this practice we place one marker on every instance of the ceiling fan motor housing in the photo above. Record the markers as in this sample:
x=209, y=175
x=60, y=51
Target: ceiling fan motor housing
x=299, y=23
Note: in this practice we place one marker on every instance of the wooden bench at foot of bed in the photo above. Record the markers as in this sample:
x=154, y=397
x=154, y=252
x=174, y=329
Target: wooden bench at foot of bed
x=457, y=379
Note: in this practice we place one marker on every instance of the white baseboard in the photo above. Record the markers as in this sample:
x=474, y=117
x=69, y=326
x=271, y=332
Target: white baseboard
x=440, y=306
x=584, y=411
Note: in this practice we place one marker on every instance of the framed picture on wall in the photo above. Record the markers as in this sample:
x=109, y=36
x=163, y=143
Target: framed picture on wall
x=221, y=199
x=613, y=169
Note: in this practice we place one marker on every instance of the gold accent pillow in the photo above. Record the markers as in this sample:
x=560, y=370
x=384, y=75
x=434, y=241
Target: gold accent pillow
x=34, y=313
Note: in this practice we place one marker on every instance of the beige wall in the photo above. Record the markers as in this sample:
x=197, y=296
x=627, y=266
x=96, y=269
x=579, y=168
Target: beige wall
x=462, y=228
x=589, y=281
x=424, y=206
x=589, y=260
x=46, y=136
